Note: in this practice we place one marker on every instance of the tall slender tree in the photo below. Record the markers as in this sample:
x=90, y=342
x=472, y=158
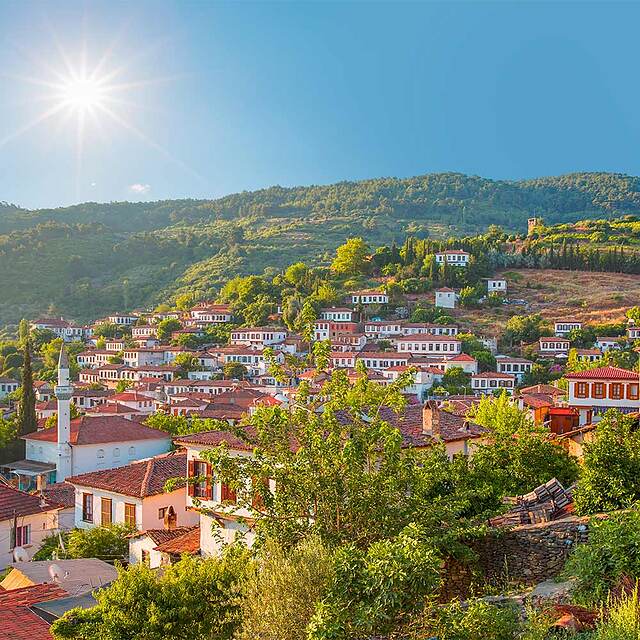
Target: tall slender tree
x=27, y=411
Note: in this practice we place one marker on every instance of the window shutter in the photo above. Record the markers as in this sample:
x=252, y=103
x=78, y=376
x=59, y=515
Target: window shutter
x=208, y=486
x=191, y=472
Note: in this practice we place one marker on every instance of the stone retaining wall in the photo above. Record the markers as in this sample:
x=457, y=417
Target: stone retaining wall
x=527, y=554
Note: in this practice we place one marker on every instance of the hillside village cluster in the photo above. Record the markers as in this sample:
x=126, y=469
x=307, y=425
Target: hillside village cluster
x=108, y=466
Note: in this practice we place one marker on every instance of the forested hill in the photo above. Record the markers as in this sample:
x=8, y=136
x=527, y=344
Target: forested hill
x=86, y=260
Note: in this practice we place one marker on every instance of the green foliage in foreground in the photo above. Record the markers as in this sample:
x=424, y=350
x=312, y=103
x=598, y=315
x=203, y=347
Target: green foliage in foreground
x=107, y=543
x=191, y=600
x=613, y=550
x=610, y=477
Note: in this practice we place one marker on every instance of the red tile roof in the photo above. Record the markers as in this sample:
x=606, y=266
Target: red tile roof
x=188, y=542
x=215, y=438
x=101, y=429
x=60, y=493
x=160, y=536
x=18, y=621
x=608, y=373
x=14, y=502
x=139, y=479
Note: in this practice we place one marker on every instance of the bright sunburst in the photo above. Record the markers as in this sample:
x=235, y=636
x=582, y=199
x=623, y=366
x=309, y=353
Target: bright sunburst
x=82, y=96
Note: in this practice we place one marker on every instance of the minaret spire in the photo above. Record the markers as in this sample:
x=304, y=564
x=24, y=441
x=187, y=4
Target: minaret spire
x=63, y=392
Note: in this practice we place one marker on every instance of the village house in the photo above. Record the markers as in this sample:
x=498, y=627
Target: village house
x=427, y=344
x=633, y=333
x=413, y=328
x=337, y=314
x=258, y=336
x=605, y=343
x=562, y=328
x=349, y=342
x=25, y=521
x=554, y=346
x=491, y=381
x=122, y=319
x=144, y=331
x=381, y=359
x=62, y=328
x=462, y=361
x=160, y=547
x=115, y=345
x=369, y=296
x=328, y=329
x=496, y=285
x=134, y=495
x=206, y=313
x=343, y=359
x=519, y=367
x=446, y=298
x=453, y=257
x=594, y=391
x=93, y=358
x=382, y=329
x=7, y=386
x=588, y=355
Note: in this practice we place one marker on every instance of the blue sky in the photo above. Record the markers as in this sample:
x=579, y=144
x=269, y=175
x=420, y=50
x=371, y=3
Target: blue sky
x=227, y=96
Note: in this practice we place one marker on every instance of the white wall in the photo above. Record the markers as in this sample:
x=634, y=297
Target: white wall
x=85, y=457
x=42, y=526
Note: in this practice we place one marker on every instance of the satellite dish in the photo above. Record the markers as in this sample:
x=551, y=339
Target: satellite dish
x=20, y=555
x=56, y=573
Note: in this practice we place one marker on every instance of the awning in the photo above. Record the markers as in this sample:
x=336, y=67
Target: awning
x=29, y=467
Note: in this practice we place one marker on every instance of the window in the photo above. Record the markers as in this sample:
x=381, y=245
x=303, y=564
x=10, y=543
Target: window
x=161, y=513
x=615, y=391
x=227, y=494
x=116, y=452
x=100, y=454
x=87, y=507
x=581, y=389
x=201, y=489
x=145, y=557
x=21, y=536
x=105, y=511
x=598, y=390
x=130, y=514
x=132, y=452
x=632, y=391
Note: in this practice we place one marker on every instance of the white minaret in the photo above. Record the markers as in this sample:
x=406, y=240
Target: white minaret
x=63, y=392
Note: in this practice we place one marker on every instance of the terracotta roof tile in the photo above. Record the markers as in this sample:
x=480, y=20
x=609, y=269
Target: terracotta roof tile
x=60, y=493
x=188, y=542
x=139, y=479
x=160, y=536
x=608, y=373
x=20, y=503
x=99, y=429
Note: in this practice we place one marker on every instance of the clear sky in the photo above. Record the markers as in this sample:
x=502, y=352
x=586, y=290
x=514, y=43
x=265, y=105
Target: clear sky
x=200, y=99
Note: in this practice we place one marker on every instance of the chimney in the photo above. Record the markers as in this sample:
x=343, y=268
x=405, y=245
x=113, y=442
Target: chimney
x=170, y=519
x=431, y=418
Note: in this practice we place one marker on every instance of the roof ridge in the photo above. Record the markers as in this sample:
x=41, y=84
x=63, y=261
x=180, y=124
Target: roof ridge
x=144, y=486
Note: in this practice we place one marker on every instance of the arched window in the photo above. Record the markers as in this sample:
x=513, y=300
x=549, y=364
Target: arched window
x=132, y=452
x=100, y=453
x=116, y=452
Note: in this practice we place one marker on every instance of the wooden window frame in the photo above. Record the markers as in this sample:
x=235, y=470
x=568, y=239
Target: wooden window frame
x=103, y=504
x=633, y=391
x=598, y=390
x=616, y=391
x=87, y=507
x=128, y=518
x=582, y=390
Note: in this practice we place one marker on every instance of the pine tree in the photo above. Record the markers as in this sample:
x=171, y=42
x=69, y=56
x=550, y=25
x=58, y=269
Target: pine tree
x=27, y=411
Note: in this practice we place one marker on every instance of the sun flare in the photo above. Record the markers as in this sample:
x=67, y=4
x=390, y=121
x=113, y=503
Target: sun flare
x=83, y=93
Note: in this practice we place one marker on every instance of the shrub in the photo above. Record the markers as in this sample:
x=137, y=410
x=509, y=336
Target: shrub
x=282, y=591
x=613, y=550
x=473, y=620
x=622, y=621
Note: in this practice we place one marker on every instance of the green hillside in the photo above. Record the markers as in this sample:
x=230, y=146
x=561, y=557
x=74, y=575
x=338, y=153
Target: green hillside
x=86, y=260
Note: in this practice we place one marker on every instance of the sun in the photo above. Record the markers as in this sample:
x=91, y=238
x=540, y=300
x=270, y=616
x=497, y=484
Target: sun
x=83, y=94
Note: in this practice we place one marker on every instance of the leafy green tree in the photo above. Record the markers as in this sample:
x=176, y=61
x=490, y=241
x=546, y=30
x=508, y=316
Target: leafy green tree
x=283, y=589
x=306, y=320
x=193, y=599
x=518, y=455
x=107, y=543
x=610, y=477
x=27, y=408
x=257, y=312
x=634, y=314
x=297, y=275
x=166, y=327
x=123, y=385
x=187, y=362
x=352, y=258
x=456, y=381
x=41, y=337
x=375, y=590
x=234, y=371
x=107, y=330
x=525, y=328
x=186, y=301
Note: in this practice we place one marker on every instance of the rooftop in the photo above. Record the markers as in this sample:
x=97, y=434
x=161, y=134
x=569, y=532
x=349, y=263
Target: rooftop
x=14, y=502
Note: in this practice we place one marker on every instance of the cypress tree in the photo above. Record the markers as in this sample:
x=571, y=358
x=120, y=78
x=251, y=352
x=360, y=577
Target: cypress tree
x=27, y=412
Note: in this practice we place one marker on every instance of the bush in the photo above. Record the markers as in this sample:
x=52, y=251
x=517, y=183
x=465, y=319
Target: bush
x=613, y=550
x=610, y=477
x=622, y=621
x=473, y=620
x=282, y=591
x=106, y=543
